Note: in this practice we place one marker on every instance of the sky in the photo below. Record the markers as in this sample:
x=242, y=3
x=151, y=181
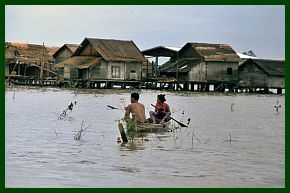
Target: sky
x=258, y=28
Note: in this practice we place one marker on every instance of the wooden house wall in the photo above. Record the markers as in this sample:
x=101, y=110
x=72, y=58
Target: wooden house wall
x=253, y=75
x=213, y=71
x=133, y=67
x=70, y=72
x=98, y=71
x=63, y=55
x=217, y=71
x=103, y=71
x=197, y=72
x=256, y=77
x=120, y=65
x=276, y=82
x=66, y=71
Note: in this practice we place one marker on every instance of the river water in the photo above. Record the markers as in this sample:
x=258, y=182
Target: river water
x=233, y=140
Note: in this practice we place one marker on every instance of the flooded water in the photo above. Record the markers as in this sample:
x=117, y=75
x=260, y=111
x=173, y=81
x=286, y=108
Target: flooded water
x=233, y=140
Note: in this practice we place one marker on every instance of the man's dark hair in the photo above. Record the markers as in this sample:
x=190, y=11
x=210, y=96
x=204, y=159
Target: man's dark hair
x=161, y=97
x=135, y=96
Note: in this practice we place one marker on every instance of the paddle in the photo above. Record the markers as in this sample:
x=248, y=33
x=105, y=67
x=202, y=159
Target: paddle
x=181, y=124
x=112, y=107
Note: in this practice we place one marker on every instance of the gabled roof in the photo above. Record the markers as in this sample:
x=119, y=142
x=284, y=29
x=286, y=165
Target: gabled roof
x=27, y=53
x=165, y=51
x=70, y=47
x=213, y=52
x=80, y=62
x=113, y=50
x=271, y=67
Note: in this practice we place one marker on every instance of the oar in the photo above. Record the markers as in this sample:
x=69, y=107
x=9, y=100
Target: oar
x=181, y=124
x=112, y=107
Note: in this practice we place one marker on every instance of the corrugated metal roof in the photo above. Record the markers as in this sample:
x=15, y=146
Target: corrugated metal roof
x=80, y=62
x=114, y=50
x=215, y=52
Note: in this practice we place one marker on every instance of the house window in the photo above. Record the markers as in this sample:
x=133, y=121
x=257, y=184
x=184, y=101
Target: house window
x=229, y=71
x=115, y=72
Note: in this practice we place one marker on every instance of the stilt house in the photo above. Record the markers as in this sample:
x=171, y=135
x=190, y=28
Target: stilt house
x=262, y=73
x=104, y=59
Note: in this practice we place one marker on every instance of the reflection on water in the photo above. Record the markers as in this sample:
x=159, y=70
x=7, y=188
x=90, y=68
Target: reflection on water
x=132, y=146
x=233, y=140
x=126, y=169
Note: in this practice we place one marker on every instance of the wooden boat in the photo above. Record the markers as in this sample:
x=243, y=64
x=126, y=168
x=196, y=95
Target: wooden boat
x=150, y=127
x=144, y=127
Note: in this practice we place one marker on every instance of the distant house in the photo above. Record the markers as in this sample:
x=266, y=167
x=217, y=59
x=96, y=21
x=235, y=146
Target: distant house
x=158, y=51
x=262, y=73
x=245, y=57
x=204, y=64
x=25, y=60
x=103, y=59
x=64, y=52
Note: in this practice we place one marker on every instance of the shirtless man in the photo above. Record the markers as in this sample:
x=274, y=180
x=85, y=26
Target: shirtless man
x=136, y=108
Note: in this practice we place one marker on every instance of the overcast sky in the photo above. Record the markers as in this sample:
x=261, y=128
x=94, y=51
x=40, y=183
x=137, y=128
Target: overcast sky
x=258, y=28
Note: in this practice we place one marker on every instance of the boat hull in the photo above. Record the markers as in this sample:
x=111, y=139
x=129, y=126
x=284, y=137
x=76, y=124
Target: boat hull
x=150, y=127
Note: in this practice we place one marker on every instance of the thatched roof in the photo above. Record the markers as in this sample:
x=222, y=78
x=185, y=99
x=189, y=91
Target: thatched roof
x=27, y=53
x=71, y=47
x=80, y=62
x=113, y=50
x=214, y=52
x=270, y=67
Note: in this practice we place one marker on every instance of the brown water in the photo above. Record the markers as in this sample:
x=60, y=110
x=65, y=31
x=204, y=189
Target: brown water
x=40, y=150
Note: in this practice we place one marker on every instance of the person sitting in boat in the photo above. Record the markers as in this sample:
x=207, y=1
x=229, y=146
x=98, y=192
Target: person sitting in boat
x=136, y=108
x=162, y=111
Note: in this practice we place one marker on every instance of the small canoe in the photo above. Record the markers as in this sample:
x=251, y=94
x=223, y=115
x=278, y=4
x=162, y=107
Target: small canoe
x=144, y=127
x=150, y=127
